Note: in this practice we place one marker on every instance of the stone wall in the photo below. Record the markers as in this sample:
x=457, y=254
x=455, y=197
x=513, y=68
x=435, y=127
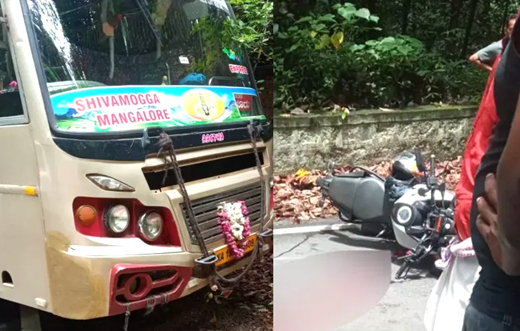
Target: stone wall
x=367, y=137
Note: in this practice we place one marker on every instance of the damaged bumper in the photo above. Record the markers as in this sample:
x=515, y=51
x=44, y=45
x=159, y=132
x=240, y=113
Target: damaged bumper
x=89, y=282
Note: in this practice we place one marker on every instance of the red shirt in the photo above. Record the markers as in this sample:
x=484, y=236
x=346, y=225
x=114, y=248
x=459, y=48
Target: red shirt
x=476, y=146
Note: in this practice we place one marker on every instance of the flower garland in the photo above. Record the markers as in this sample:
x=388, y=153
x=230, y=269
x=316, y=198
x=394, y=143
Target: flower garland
x=235, y=225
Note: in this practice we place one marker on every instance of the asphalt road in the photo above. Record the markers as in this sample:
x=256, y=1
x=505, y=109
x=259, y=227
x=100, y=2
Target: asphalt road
x=401, y=307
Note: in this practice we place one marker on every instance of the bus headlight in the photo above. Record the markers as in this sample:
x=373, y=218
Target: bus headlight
x=151, y=225
x=109, y=184
x=117, y=219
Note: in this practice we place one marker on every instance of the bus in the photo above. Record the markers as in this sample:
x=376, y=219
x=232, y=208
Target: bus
x=136, y=161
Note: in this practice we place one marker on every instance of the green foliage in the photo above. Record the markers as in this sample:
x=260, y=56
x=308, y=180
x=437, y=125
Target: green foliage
x=252, y=28
x=341, y=54
x=308, y=53
x=208, y=28
x=442, y=25
x=397, y=71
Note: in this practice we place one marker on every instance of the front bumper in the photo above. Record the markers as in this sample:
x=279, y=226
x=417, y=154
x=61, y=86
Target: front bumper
x=89, y=282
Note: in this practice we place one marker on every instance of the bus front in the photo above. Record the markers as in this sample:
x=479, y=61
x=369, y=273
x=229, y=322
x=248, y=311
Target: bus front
x=153, y=128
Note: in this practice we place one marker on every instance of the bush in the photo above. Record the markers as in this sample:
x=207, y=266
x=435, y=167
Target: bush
x=252, y=28
x=333, y=57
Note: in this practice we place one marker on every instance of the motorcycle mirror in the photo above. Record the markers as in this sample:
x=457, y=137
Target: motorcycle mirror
x=331, y=166
x=419, y=160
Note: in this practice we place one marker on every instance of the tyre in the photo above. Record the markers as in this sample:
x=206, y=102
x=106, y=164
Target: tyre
x=436, y=272
x=371, y=229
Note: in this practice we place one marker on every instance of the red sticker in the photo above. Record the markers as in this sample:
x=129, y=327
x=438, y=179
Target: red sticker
x=243, y=101
x=236, y=69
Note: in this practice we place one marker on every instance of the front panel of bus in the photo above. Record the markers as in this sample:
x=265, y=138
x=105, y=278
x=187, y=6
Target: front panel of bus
x=111, y=76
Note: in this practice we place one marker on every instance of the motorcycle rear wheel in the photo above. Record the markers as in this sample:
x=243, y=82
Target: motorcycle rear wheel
x=371, y=229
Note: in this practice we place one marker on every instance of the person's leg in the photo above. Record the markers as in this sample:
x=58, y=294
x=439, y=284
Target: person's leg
x=474, y=320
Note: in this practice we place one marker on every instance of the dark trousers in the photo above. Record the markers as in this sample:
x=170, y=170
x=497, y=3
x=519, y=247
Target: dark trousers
x=474, y=320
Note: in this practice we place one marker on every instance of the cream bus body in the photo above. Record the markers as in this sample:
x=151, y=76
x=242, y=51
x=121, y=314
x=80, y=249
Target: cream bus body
x=46, y=262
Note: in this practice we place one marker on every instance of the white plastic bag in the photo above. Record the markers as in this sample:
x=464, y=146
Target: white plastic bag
x=450, y=295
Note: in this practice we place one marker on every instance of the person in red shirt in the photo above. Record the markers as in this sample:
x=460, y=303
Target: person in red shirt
x=450, y=295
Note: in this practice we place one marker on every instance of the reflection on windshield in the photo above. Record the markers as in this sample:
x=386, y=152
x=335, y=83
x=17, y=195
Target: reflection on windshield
x=137, y=42
x=52, y=25
x=106, y=54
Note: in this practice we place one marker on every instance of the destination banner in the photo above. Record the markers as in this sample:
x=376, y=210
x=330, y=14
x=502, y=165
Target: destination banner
x=123, y=108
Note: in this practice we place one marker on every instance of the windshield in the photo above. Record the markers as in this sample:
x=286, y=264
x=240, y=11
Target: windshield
x=121, y=65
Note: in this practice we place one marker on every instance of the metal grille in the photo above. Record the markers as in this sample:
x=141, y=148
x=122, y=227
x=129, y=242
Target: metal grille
x=205, y=211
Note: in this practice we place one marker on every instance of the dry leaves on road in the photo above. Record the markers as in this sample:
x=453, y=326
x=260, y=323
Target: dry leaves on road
x=297, y=195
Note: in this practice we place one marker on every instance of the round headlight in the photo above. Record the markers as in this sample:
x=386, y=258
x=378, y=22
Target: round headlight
x=151, y=225
x=403, y=215
x=117, y=218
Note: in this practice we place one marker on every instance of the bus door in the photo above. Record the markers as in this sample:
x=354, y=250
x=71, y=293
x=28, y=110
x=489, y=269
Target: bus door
x=22, y=236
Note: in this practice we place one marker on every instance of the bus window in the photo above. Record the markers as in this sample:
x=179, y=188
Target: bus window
x=137, y=42
x=10, y=99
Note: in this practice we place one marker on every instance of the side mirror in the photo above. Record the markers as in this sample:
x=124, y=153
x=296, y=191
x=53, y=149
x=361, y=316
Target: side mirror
x=330, y=167
x=420, y=161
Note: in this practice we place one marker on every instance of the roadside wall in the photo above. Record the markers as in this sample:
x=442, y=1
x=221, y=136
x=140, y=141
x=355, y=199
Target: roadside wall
x=369, y=136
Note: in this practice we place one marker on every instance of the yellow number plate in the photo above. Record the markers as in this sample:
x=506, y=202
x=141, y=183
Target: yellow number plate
x=224, y=254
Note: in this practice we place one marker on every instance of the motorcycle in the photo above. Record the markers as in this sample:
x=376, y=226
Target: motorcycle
x=404, y=207
x=363, y=197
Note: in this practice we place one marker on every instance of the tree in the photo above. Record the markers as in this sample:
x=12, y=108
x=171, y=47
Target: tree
x=469, y=26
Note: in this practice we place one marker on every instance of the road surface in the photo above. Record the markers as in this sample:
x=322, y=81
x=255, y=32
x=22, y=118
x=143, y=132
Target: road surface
x=403, y=305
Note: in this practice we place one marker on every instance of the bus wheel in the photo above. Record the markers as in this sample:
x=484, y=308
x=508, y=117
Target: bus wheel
x=30, y=319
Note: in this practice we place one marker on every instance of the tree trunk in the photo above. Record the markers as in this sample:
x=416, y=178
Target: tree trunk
x=407, y=4
x=471, y=18
x=506, y=15
x=486, y=17
x=371, y=5
x=456, y=7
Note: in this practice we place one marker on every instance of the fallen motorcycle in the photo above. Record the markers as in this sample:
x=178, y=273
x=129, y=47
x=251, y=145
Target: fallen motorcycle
x=416, y=211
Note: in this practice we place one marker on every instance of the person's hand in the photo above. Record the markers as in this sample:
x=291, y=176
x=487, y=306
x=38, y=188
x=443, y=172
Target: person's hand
x=487, y=220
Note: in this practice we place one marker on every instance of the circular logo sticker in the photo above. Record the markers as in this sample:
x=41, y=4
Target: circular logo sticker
x=203, y=105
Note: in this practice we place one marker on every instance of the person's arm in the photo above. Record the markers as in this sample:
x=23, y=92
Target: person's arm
x=508, y=183
x=486, y=55
x=476, y=61
x=508, y=172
